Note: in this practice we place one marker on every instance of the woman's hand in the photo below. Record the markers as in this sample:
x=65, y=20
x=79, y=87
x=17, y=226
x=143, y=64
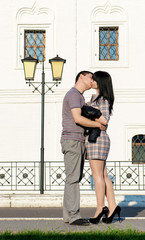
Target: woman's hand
x=102, y=120
x=103, y=128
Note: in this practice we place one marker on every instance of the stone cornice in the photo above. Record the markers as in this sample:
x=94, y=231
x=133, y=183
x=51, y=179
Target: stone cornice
x=113, y=11
x=10, y=96
x=36, y=12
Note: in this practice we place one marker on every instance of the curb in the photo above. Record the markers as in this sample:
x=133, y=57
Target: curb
x=56, y=200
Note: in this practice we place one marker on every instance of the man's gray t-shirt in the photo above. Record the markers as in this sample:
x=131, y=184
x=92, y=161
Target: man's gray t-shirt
x=72, y=131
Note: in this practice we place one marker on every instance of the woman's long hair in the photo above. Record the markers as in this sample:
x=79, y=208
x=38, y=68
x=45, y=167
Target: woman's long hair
x=105, y=86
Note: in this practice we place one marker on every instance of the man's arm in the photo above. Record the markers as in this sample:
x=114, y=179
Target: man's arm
x=79, y=119
x=101, y=120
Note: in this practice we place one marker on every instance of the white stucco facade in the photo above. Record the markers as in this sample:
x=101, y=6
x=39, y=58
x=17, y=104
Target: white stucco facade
x=72, y=32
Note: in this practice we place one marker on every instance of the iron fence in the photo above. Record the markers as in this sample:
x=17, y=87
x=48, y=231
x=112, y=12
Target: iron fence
x=25, y=176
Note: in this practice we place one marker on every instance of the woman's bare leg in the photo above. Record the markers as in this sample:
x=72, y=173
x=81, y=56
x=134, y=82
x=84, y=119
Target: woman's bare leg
x=109, y=192
x=97, y=167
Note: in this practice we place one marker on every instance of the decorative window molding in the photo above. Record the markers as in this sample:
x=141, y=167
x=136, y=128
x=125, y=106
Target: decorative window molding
x=108, y=12
x=35, y=15
x=109, y=16
x=34, y=19
x=132, y=130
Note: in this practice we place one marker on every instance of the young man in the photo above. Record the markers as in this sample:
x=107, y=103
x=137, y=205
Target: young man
x=72, y=141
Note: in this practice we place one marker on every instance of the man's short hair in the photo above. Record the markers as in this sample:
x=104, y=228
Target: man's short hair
x=83, y=73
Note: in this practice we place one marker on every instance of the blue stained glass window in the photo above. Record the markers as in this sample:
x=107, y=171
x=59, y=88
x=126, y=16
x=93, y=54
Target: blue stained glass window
x=108, y=43
x=39, y=39
x=103, y=52
x=112, y=52
x=103, y=37
x=39, y=54
x=112, y=38
x=30, y=39
x=35, y=44
x=30, y=52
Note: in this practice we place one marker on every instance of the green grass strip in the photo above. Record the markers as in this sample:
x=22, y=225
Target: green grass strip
x=111, y=234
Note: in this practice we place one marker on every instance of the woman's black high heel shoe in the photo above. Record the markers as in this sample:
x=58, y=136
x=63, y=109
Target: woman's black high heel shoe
x=117, y=210
x=96, y=220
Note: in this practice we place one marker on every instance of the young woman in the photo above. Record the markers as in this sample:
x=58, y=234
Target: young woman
x=97, y=153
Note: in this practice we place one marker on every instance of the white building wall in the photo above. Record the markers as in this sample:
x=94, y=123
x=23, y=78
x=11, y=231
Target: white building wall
x=70, y=27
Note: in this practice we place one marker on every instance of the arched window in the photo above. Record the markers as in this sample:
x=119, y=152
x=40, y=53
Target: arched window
x=138, y=149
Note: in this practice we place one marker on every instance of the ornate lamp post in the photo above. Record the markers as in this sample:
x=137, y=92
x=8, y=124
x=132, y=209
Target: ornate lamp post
x=29, y=65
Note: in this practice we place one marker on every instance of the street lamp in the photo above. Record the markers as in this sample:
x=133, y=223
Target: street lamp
x=29, y=65
x=57, y=64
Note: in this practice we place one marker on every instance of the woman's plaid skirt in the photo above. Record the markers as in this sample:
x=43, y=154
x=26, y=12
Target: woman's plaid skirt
x=100, y=149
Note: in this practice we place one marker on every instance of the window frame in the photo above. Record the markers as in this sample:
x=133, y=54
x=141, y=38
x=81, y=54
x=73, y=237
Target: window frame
x=108, y=45
x=137, y=144
x=123, y=45
x=49, y=46
x=35, y=46
x=130, y=129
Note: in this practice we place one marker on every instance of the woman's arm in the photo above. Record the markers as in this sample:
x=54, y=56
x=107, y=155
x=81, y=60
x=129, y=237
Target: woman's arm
x=79, y=119
x=93, y=113
x=104, y=108
x=101, y=120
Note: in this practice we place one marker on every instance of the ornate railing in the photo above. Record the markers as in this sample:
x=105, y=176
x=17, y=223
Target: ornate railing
x=25, y=176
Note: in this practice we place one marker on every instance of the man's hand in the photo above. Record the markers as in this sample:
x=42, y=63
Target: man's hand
x=101, y=120
x=102, y=127
x=79, y=119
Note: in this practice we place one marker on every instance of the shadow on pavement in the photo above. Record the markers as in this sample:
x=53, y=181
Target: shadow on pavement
x=134, y=208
